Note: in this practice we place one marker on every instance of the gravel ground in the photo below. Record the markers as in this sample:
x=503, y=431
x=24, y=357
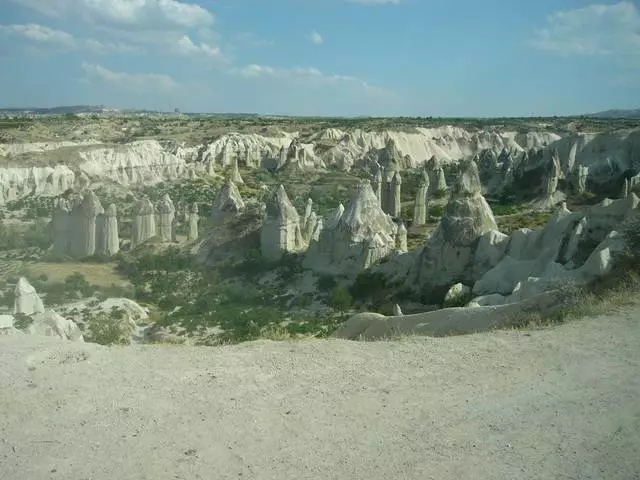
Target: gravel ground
x=561, y=403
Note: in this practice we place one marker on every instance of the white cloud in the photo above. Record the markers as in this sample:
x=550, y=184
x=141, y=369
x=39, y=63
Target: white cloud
x=315, y=38
x=593, y=30
x=185, y=46
x=251, y=40
x=59, y=39
x=308, y=74
x=134, y=13
x=131, y=80
x=376, y=2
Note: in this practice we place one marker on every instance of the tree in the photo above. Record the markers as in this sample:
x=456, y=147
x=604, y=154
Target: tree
x=341, y=299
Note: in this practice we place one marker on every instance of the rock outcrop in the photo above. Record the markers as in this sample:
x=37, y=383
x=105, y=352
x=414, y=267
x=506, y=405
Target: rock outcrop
x=395, y=199
x=447, y=257
x=27, y=301
x=281, y=232
x=60, y=227
x=421, y=207
x=355, y=239
x=401, y=238
x=83, y=225
x=107, y=236
x=165, y=217
x=144, y=222
x=51, y=324
x=235, y=173
x=193, y=219
x=228, y=203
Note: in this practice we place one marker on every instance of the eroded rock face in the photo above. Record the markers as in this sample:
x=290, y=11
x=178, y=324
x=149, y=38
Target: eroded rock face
x=395, y=202
x=377, y=184
x=27, y=301
x=83, y=226
x=166, y=214
x=421, y=207
x=235, y=173
x=448, y=254
x=60, y=227
x=193, y=223
x=281, y=231
x=228, y=202
x=51, y=324
x=360, y=238
x=401, y=239
x=107, y=236
x=144, y=222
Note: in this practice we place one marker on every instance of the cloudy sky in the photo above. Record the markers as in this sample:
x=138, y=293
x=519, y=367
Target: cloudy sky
x=323, y=57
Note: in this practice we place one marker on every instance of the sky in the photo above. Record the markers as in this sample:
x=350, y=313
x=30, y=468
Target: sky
x=453, y=58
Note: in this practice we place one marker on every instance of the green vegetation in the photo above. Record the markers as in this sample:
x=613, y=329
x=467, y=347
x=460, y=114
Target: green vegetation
x=107, y=328
x=341, y=299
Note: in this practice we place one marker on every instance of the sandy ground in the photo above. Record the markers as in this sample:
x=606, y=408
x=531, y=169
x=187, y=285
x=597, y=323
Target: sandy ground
x=561, y=403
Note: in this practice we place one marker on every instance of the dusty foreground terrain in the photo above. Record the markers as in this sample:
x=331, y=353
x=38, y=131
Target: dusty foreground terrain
x=561, y=403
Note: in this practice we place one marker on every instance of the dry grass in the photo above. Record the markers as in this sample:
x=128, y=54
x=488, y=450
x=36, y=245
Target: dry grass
x=100, y=274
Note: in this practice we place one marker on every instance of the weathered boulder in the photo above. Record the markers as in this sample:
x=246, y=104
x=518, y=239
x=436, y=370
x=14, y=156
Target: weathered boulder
x=26, y=299
x=50, y=324
x=281, y=231
x=457, y=296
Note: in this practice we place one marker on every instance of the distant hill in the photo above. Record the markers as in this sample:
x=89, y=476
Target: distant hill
x=62, y=110
x=632, y=113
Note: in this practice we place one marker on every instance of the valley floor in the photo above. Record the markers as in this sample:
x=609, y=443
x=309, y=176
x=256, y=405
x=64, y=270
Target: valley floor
x=559, y=403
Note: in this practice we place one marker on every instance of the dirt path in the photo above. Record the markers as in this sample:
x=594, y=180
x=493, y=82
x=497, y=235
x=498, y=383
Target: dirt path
x=562, y=403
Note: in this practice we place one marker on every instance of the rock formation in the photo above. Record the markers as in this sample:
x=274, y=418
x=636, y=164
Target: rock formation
x=26, y=299
x=60, y=227
x=194, y=218
x=582, y=174
x=281, y=232
x=421, y=207
x=51, y=324
x=83, y=225
x=361, y=237
x=144, y=222
x=401, y=239
x=107, y=237
x=395, y=199
x=166, y=213
x=448, y=254
x=397, y=311
x=235, y=173
x=625, y=188
x=228, y=203
x=377, y=184
x=552, y=174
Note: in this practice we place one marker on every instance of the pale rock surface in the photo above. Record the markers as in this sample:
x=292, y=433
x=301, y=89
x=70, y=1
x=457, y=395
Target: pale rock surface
x=448, y=254
x=397, y=311
x=60, y=226
x=377, y=184
x=27, y=300
x=144, y=222
x=395, y=199
x=235, y=173
x=363, y=235
x=281, y=232
x=401, y=239
x=421, y=207
x=107, y=236
x=166, y=214
x=228, y=202
x=194, y=218
x=51, y=324
x=83, y=225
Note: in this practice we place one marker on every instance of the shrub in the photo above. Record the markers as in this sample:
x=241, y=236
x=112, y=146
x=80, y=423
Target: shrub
x=440, y=193
x=436, y=210
x=107, y=329
x=326, y=283
x=341, y=299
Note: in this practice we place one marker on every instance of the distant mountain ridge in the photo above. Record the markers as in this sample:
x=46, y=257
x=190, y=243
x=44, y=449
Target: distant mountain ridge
x=617, y=113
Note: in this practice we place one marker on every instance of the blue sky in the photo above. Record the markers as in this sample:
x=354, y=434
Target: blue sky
x=323, y=57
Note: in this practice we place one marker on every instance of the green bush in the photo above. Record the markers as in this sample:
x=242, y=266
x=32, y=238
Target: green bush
x=440, y=193
x=326, y=283
x=436, y=211
x=341, y=299
x=107, y=329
